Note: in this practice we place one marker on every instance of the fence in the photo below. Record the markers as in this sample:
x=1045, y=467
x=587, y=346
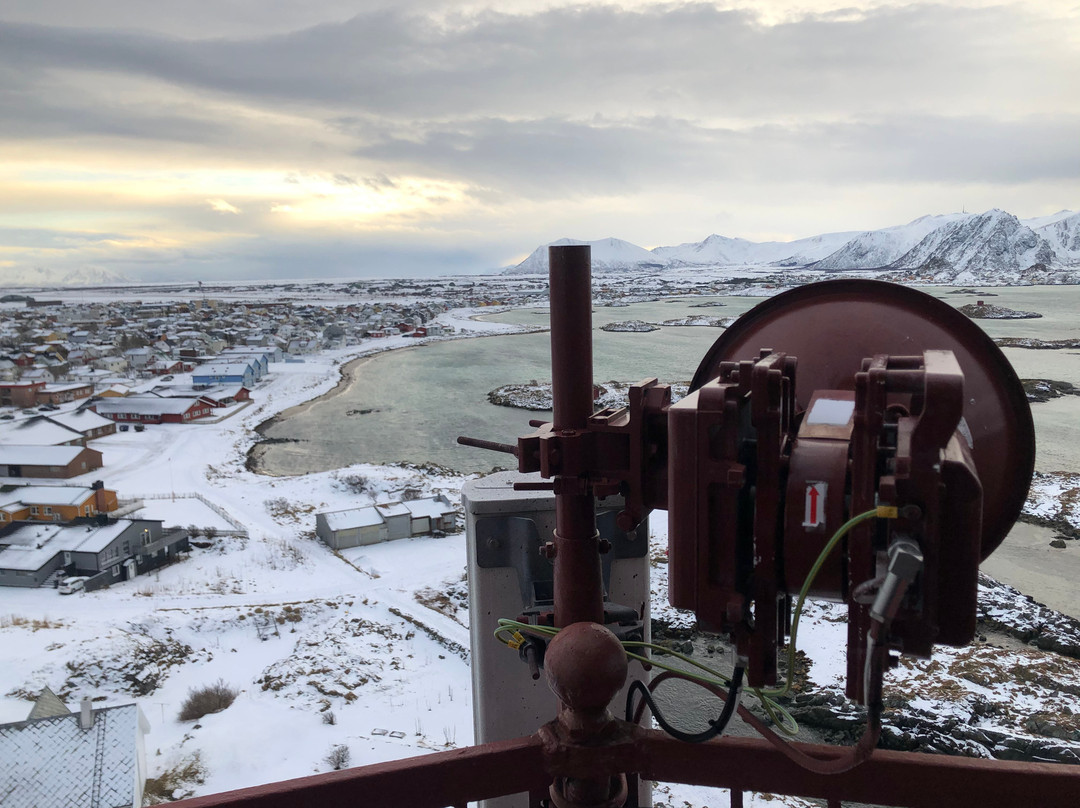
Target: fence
x=237, y=528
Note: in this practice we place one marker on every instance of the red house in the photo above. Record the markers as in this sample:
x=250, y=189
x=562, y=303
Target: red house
x=153, y=409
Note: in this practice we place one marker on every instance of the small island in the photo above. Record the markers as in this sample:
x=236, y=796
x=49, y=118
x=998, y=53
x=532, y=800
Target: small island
x=1036, y=344
x=536, y=395
x=700, y=320
x=630, y=326
x=971, y=292
x=983, y=311
x=1040, y=390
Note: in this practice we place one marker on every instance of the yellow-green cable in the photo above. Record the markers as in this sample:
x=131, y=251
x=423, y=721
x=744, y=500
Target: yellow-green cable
x=777, y=713
x=814, y=570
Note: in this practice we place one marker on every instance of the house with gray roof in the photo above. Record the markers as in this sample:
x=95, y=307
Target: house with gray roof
x=354, y=527
x=95, y=758
x=107, y=551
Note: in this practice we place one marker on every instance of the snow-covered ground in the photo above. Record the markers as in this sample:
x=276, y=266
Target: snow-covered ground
x=366, y=648
x=300, y=631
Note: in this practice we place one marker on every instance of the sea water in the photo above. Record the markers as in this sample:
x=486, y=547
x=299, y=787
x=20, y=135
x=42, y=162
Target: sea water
x=411, y=405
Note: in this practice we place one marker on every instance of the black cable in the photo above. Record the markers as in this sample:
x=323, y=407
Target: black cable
x=716, y=727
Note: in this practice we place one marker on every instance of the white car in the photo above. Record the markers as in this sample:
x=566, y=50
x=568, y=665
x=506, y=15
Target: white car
x=70, y=586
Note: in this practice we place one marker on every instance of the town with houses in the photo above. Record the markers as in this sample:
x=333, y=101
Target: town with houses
x=70, y=374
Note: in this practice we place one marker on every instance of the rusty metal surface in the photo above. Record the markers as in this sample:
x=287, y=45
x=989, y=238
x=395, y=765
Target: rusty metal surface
x=886, y=778
x=429, y=781
x=831, y=326
x=578, y=575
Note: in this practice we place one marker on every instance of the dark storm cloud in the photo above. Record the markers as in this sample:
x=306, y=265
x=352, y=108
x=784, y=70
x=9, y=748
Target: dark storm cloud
x=692, y=58
x=549, y=157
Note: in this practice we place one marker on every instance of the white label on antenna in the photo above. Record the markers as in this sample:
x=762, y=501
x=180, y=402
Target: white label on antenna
x=830, y=412
x=814, y=514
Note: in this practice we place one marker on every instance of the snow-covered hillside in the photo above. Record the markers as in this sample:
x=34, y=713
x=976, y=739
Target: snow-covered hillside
x=967, y=250
x=878, y=248
x=723, y=251
x=992, y=248
x=608, y=253
x=1063, y=234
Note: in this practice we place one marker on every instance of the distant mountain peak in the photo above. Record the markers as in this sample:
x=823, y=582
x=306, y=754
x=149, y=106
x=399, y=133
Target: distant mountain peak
x=993, y=246
x=44, y=276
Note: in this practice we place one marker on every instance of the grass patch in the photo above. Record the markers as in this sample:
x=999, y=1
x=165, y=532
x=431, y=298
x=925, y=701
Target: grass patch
x=206, y=700
x=175, y=783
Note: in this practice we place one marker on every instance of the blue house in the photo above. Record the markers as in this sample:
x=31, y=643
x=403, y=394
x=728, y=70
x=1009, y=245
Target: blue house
x=242, y=372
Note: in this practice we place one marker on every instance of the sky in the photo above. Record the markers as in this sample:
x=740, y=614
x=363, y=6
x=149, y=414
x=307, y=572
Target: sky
x=243, y=139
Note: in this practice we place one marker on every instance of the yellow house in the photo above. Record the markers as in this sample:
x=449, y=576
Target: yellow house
x=55, y=503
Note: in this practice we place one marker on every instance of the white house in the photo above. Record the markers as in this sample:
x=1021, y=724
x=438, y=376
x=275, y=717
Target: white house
x=90, y=759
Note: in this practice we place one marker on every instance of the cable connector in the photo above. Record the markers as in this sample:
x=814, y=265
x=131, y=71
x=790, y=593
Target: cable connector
x=887, y=512
x=517, y=639
x=905, y=562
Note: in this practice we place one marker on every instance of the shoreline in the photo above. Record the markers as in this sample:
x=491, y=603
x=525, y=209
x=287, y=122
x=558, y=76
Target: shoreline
x=1027, y=562
x=348, y=372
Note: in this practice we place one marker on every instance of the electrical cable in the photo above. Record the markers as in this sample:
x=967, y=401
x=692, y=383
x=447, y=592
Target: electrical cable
x=884, y=512
x=714, y=680
x=716, y=726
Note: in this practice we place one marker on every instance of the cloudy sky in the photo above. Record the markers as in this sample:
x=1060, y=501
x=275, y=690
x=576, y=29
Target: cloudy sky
x=291, y=138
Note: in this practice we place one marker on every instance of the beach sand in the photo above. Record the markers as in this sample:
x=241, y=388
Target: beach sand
x=1027, y=562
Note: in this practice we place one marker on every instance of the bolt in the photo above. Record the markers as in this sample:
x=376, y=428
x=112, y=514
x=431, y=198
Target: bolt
x=913, y=513
x=547, y=549
x=494, y=544
x=604, y=546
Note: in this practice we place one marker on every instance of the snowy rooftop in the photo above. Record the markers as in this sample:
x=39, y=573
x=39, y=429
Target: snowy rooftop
x=352, y=518
x=146, y=404
x=22, y=455
x=51, y=761
x=430, y=507
x=39, y=431
x=46, y=495
x=80, y=419
x=32, y=545
x=392, y=509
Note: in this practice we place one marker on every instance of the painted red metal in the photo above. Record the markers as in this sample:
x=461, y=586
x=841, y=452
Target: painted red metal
x=432, y=781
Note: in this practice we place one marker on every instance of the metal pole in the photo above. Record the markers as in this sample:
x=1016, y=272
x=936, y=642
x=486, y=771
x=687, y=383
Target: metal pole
x=578, y=578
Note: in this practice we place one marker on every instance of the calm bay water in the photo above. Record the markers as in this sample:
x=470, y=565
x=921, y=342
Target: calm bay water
x=417, y=401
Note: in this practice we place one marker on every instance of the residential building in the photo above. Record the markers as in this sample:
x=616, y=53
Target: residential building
x=55, y=503
x=95, y=758
x=151, y=409
x=107, y=551
x=50, y=462
x=354, y=527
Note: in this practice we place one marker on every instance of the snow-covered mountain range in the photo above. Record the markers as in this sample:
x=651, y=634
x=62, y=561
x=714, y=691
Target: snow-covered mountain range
x=990, y=247
x=41, y=276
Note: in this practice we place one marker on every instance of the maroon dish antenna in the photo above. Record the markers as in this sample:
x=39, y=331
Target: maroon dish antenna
x=833, y=325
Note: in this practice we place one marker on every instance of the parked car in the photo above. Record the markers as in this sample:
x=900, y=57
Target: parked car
x=140, y=427
x=166, y=378
x=123, y=427
x=69, y=586
x=49, y=407
x=7, y=416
